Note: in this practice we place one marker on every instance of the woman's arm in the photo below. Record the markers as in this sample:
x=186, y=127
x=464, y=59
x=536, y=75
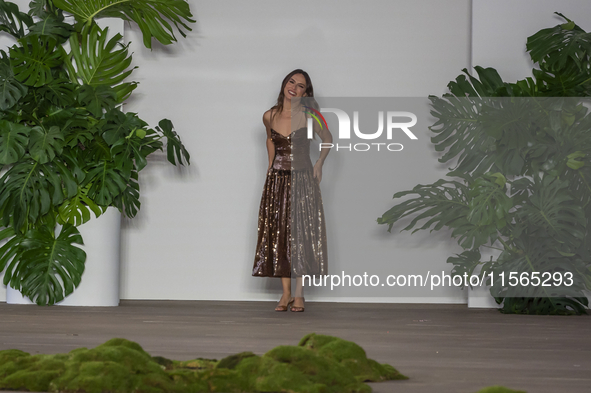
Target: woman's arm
x=326, y=137
x=270, y=144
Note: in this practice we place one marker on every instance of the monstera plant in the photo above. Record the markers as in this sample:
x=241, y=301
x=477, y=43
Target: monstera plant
x=522, y=177
x=67, y=150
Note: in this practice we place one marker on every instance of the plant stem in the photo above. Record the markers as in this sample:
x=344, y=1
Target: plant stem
x=507, y=247
x=586, y=184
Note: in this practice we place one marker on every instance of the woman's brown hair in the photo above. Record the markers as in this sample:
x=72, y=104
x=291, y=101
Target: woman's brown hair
x=278, y=107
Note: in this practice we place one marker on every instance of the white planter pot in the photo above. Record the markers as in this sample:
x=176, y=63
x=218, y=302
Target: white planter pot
x=480, y=297
x=100, y=282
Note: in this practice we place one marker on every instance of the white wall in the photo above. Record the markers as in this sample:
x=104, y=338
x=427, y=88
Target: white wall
x=195, y=235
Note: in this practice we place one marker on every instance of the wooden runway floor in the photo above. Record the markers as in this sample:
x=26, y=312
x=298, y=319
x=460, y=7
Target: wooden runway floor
x=442, y=348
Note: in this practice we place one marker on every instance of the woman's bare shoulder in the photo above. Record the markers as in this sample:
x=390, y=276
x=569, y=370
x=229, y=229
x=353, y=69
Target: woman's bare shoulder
x=267, y=118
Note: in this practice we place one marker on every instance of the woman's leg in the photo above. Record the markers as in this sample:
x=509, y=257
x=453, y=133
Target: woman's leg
x=299, y=294
x=286, y=297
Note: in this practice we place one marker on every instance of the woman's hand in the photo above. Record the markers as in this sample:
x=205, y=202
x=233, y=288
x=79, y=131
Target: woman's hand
x=318, y=171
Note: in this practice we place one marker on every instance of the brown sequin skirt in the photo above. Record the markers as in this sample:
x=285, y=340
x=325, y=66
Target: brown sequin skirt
x=291, y=232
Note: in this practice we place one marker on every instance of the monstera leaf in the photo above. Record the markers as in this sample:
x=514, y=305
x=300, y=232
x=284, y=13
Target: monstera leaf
x=28, y=190
x=119, y=125
x=549, y=210
x=130, y=140
x=554, y=47
x=127, y=154
x=48, y=268
x=10, y=249
x=130, y=153
x=66, y=119
x=44, y=144
x=42, y=8
x=460, y=136
x=154, y=17
x=105, y=182
x=38, y=8
x=13, y=141
x=59, y=92
x=98, y=62
x=442, y=203
x=174, y=146
x=438, y=205
x=96, y=99
x=563, y=54
x=489, y=203
x=11, y=90
x=568, y=82
x=76, y=211
x=489, y=85
x=465, y=263
x=128, y=201
x=53, y=27
x=12, y=20
x=33, y=61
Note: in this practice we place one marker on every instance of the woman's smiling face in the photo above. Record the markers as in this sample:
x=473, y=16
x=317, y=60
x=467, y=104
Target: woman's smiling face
x=295, y=86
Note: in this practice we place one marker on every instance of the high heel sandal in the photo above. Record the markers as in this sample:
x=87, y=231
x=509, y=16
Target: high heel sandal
x=284, y=308
x=297, y=309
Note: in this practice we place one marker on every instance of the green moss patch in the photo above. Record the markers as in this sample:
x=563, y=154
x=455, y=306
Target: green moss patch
x=321, y=364
x=351, y=356
x=499, y=389
x=232, y=361
x=298, y=368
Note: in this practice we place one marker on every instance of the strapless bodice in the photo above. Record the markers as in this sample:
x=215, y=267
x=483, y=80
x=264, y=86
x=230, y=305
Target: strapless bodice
x=292, y=151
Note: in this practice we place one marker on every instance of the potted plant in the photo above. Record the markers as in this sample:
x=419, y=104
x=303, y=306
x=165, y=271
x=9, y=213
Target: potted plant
x=521, y=181
x=67, y=150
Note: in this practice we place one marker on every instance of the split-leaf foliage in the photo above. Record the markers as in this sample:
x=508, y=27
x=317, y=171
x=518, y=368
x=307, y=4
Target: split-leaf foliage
x=67, y=151
x=521, y=176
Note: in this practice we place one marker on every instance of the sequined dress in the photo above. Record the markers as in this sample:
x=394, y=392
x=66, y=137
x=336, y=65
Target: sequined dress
x=291, y=238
